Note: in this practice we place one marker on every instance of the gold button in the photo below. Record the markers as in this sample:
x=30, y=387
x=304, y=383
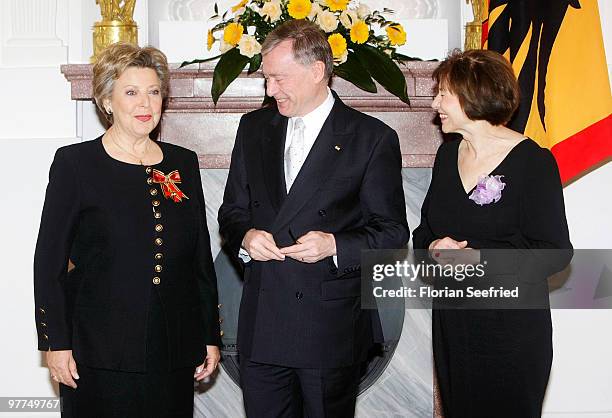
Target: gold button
x=158, y=268
x=219, y=306
x=159, y=227
x=221, y=333
x=148, y=170
x=44, y=325
x=149, y=180
x=42, y=311
x=159, y=241
x=220, y=320
x=156, y=203
x=45, y=336
x=153, y=192
x=159, y=256
x=157, y=215
x=156, y=280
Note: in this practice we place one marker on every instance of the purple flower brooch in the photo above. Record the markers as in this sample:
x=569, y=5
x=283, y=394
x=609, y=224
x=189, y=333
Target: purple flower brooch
x=488, y=190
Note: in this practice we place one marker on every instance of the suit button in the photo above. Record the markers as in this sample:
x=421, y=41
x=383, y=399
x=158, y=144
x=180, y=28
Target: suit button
x=299, y=295
x=158, y=268
x=157, y=215
x=42, y=324
x=156, y=280
x=42, y=311
x=255, y=203
x=221, y=333
x=45, y=336
x=149, y=181
x=159, y=227
x=155, y=203
x=159, y=241
x=153, y=192
x=322, y=213
x=148, y=170
x=159, y=256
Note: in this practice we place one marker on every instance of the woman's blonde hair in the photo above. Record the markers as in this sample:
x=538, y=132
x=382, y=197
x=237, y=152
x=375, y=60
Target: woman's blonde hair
x=117, y=58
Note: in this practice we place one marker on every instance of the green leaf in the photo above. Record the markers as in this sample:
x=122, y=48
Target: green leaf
x=255, y=63
x=354, y=72
x=197, y=61
x=382, y=68
x=227, y=69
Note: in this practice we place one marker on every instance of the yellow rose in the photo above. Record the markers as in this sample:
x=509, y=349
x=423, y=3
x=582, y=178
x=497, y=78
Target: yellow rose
x=337, y=44
x=360, y=32
x=239, y=5
x=210, y=40
x=271, y=10
x=299, y=9
x=327, y=21
x=248, y=46
x=396, y=34
x=341, y=59
x=232, y=33
x=337, y=5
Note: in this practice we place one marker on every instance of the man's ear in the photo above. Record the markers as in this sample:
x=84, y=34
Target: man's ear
x=318, y=71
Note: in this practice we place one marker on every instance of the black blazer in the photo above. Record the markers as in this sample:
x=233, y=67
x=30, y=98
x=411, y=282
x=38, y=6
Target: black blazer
x=100, y=213
x=308, y=315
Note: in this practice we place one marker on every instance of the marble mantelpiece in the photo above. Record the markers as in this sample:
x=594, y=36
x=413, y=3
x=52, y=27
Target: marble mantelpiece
x=190, y=110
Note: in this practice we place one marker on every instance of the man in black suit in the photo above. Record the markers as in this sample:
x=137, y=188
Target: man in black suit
x=312, y=182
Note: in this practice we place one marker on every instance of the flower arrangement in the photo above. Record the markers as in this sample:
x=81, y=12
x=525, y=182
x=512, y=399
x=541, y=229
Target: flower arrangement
x=488, y=190
x=360, y=55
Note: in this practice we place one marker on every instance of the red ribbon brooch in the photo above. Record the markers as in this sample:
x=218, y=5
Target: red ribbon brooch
x=168, y=184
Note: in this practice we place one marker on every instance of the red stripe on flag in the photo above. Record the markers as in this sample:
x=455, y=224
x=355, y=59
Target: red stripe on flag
x=584, y=149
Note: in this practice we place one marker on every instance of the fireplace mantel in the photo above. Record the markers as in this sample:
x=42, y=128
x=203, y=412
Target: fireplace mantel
x=191, y=119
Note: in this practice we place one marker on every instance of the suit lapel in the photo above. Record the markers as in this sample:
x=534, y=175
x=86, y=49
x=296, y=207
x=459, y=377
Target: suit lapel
x=319, y=165
x=273, y=160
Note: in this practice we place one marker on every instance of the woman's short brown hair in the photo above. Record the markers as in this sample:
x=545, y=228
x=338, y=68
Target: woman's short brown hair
x=309, y=43
x=117, y=58
x=484, y=82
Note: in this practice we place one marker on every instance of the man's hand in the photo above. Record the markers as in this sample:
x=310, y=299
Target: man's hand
x=312, y=247
x=261, y=246
x=62, y=367
x=210, y=363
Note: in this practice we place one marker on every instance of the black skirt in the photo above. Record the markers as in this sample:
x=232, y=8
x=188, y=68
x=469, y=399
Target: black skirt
x=158, y=393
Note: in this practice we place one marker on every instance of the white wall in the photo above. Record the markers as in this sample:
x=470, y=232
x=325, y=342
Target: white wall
x=37, y=116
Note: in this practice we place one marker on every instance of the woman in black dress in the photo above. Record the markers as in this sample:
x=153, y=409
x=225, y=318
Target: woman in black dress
x=491, y=189
x=128, y=329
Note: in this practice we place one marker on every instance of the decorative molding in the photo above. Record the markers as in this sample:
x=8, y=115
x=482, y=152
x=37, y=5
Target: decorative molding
x=190, y=108
x=30, y=34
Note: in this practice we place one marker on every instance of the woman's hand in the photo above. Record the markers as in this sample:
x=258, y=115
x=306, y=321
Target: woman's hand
x=213, y=355
x=447, y=243
x=62, y=367
x=441, y=250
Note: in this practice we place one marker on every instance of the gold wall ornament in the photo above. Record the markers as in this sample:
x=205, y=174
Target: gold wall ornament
x=117, y=25
x=473, y=29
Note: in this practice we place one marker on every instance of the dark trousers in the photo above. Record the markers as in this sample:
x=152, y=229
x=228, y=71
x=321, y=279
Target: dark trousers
x=271, y=391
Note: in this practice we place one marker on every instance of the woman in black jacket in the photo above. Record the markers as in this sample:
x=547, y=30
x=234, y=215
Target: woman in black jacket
x=124, y=330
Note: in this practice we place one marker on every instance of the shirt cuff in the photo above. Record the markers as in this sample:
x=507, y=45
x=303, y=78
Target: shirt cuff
x=244, y=255
x=335, y=257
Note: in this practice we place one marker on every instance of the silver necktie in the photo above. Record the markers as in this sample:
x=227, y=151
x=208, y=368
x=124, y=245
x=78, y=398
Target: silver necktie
x=294, y=157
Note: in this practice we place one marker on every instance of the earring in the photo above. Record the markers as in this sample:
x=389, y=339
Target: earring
x=109, y=110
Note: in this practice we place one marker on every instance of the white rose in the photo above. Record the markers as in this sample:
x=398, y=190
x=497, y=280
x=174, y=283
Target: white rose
x=327, y=21
x=314, y=11
x=239, y=13
x=348, y=17
x=363, y=11
x=271, y=10
x=248, y=46
x=341, y=59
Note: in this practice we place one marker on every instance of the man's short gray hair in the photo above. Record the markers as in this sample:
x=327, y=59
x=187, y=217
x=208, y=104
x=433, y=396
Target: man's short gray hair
x=309, y=43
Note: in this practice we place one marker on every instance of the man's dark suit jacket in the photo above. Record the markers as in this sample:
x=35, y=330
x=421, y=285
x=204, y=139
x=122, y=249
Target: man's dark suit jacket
x=308, y=315
x=99, y=212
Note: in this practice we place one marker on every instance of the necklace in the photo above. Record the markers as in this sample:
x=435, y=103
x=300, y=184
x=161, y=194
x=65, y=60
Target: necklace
x=131, y=154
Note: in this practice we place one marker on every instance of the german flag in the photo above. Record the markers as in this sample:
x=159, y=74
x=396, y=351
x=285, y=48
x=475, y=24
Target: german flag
x=556, y=49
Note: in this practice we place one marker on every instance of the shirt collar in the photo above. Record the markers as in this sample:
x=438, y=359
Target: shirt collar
x=317, y=117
